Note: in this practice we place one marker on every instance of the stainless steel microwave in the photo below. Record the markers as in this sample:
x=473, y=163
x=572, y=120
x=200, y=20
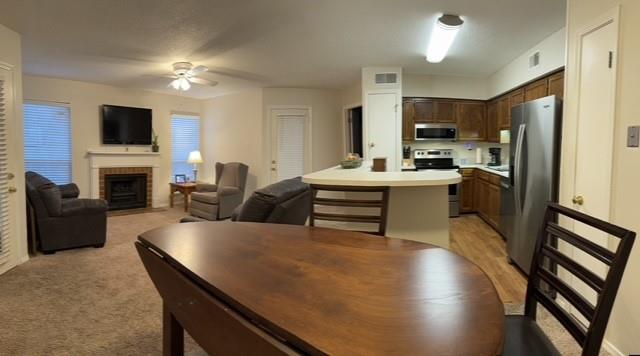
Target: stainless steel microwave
x=436, y=132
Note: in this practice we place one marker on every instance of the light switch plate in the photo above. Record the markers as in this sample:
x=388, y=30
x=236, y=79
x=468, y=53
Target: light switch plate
x=633, y=136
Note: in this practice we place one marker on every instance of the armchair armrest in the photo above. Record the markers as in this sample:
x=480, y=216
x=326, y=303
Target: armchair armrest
x=69, y=190
x=206, y=187
x=226, y=191
x=71, y=207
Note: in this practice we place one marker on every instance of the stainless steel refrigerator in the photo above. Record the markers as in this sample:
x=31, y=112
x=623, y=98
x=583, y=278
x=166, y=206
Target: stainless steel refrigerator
x=533, y=175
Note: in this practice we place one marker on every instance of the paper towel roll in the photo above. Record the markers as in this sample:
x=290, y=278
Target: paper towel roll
x=478, y=155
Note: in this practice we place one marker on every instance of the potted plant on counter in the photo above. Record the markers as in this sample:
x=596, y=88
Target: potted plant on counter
x=154, y=143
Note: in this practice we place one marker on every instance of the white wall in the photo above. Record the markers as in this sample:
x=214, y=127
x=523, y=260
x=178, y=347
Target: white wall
x=552, y=56
x=85, y=100
x=11, y=56
x=421, y=85
x=352, y=94
x=232, y=131
x=622, y=331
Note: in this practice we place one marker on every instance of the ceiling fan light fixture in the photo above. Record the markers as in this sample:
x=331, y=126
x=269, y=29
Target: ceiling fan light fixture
x=181, y=83
x=442, y=37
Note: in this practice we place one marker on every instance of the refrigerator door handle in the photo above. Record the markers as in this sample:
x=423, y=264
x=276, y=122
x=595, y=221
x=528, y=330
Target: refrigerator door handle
x=518, y=169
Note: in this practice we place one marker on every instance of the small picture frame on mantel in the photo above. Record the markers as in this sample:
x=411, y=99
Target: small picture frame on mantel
x=180, y=178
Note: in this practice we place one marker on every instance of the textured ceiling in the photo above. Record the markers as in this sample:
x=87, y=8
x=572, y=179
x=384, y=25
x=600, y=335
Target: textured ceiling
x=286, y=43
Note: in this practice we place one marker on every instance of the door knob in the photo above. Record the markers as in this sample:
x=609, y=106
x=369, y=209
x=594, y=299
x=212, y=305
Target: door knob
x=10, y=176
x=273, y=169
x=12, y=189
x=578, y=199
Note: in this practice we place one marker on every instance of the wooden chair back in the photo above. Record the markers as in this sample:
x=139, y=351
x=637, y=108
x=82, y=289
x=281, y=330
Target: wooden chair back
x=382, y=204
x=544, y=284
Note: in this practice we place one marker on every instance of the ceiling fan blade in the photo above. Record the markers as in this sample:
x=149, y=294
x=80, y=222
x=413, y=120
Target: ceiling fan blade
x=199, y=69
x=210, y=83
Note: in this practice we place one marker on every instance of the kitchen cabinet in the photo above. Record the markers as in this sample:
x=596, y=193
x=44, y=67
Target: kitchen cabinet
x=486, y=198
x=504, y=112
x=471, y=119
x=493, y=125
x=408, y=122
x=467, y=191
x=445, y=111
x=516, y=97
x=536, y=90
x=423, y=111
x=556, y=85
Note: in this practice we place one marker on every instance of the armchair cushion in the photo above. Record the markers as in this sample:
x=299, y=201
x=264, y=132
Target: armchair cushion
x=69, y=191
x=205, y=197
x=72, y=207
x=226, y=191
x=262, y=202
x=206, y=187
x=51, y=197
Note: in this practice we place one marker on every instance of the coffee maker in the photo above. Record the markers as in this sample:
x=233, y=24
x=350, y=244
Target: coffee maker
x=494, y=156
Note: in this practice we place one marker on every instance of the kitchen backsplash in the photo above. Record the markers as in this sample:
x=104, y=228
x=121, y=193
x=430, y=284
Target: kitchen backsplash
x=465, y=150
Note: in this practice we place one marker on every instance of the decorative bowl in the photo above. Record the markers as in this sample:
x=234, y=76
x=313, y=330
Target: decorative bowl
x=350, y=164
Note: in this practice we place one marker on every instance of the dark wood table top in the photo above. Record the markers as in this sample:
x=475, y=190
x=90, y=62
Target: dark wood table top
x=340, y=292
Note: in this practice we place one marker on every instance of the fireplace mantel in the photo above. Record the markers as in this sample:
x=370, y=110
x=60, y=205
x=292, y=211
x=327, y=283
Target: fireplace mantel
x=110, y=159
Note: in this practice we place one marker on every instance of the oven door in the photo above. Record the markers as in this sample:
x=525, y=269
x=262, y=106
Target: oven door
x=436, y=132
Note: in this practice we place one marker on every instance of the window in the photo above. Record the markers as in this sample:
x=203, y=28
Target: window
x=186, y=138
x=47, y=141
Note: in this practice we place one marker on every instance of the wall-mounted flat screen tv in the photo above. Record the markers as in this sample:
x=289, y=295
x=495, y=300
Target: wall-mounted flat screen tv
x=123, y=125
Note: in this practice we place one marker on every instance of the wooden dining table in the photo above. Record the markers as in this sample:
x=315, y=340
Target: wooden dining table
x=265, y=289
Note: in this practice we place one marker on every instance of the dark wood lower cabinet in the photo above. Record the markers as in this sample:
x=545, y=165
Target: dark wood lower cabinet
x=480, y=193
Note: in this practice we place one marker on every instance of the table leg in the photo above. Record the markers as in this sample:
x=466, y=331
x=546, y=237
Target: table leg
x=172, y=334
x=186, y=201
x=172, y=191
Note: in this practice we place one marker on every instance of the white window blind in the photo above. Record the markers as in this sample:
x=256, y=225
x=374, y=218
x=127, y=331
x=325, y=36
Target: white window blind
x=185, y=138
x=291, y=145
x=5, y=243
x=47, y=141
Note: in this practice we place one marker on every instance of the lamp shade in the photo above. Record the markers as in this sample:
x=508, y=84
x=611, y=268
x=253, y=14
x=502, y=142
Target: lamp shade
x=194, y=157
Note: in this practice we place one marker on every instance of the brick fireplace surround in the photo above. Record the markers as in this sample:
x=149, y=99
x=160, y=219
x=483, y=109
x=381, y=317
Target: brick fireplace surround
x=127, y=170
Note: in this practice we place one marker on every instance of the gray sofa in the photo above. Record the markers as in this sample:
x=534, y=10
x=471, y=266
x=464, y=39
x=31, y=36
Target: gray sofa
x=284, y=202
x=217, y=201
x=60, y=219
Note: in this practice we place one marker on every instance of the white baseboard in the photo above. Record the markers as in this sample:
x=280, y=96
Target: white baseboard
x=610, y=348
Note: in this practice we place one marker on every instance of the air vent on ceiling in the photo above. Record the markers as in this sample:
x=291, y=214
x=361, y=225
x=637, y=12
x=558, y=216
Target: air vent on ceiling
x=386, y=78
x=534, y=60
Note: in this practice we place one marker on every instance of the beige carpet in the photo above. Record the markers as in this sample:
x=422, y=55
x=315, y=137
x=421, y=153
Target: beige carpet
x=101, y=301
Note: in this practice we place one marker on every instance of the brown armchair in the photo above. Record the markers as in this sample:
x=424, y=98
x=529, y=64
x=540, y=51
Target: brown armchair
x=217, y=201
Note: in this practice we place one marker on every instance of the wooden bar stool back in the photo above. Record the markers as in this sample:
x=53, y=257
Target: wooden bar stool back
x=382, y=204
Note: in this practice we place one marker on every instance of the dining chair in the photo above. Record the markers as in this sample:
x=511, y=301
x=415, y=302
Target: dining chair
x=381, y=204
x=523, y=336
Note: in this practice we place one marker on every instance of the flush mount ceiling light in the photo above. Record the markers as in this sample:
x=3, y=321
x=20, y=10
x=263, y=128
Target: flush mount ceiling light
x=442, y=36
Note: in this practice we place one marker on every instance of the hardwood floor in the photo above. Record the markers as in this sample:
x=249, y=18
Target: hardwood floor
x=474, y=239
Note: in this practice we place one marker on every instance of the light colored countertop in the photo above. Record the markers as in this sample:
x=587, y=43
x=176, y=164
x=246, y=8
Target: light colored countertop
x=363, y=176
x=484, y=168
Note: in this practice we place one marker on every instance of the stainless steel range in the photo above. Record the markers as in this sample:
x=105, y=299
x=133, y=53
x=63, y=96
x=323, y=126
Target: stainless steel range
x=440, y=159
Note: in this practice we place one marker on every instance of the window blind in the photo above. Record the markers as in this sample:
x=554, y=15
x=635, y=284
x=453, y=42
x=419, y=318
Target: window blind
x=291, y=135
x=5, y=246
x=47, y=141
x=185, y=133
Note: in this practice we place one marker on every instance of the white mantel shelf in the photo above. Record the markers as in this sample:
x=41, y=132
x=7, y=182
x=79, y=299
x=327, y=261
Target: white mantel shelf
x=118, y=153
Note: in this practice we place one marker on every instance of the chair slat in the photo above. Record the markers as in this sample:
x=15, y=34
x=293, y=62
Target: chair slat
x=588, y=277
x=579, y=302
x=569, y=322
x=349, y=203
x=348, y=218
x=585, y=245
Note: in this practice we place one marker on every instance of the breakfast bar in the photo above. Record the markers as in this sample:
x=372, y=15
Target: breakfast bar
x=418, y=201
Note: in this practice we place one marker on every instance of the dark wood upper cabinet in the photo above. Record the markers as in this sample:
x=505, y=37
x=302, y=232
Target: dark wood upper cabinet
x=516, y=97
x=493, y=129
x=407, y=121
x=504, y=112
x=423, y=110
x=536, y=90
x=556, y=85
x=471, y=120
x=445, y=111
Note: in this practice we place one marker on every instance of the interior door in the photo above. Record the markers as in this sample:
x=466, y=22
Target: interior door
x=290, y=143
x=595, y=132
x=7, y=191
x=382, y=127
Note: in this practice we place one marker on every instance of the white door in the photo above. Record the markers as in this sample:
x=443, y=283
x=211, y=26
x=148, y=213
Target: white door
x=7, y=191
x=382, y=127
x=290, y=143
x=595, y=132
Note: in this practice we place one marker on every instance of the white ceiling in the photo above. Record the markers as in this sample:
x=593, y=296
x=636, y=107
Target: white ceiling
x=281, y=43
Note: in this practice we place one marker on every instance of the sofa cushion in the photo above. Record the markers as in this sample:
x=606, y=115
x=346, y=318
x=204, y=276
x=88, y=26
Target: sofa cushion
x=208, y=197
x=71, y=207
x=50, y=195
x=261, y=203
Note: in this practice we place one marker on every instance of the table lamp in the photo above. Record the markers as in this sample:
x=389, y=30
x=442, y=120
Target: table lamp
x=194, y=158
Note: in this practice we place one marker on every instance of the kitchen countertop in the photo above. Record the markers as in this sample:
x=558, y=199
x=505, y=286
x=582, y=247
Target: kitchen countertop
x=363, y=176
x=486, y=169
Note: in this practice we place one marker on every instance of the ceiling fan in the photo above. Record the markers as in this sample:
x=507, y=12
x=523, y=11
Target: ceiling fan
x=184, y=74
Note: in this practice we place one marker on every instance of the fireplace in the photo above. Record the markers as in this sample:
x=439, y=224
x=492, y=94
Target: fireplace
x=125, y=191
